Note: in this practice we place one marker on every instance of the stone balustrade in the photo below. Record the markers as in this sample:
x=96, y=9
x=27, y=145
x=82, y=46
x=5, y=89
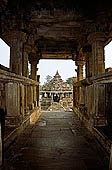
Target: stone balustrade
x=92, y=99
x=18, y=96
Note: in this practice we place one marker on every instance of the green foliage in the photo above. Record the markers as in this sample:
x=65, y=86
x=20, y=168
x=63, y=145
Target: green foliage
x=70, y=81
x=48, y=78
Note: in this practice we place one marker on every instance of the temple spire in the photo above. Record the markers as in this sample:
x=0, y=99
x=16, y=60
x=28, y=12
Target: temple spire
x=57, y=73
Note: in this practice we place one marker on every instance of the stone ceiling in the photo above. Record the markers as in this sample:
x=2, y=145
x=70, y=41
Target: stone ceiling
x=59, y=28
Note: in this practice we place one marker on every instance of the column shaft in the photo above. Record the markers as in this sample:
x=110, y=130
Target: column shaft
x=34, y=70
x=16, y=52
x=80, y=72
x=97, y=42
x=88, y=64
x=25, y=62
x=98, y=53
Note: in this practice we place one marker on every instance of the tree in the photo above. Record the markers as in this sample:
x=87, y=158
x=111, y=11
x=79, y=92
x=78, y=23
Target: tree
x=70, y=81
x=48, y=78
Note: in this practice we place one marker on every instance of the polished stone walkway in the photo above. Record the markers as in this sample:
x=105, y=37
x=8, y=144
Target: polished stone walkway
x=58, y=141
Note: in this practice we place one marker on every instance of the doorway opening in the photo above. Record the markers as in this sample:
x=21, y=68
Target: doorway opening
x=56, y=84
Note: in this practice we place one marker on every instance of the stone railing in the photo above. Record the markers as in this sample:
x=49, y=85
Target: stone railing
x=93, y=99
x=18, y=96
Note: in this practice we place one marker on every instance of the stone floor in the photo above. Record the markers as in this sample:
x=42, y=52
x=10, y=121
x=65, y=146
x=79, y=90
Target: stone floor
x=58, y=141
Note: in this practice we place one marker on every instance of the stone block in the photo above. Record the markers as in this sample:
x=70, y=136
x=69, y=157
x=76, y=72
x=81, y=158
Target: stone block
x=13, y=99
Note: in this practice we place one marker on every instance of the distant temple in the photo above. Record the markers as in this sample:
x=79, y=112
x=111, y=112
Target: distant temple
x=55, y=91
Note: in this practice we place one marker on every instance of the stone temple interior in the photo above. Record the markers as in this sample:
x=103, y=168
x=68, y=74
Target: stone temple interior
x=62, y=29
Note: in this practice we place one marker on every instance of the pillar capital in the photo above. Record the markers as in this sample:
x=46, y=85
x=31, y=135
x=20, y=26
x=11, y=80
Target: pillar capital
x=13, y=37
x=16, y=41
x=80, y=58
x=87, y=55
x=79, y=69
x=79, y=63
x=27, y=48
x=33, y=59
x=96, y=36
x=34, y=62
x=21, y=36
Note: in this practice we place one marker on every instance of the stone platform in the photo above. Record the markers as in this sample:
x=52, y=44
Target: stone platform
x=57, y=141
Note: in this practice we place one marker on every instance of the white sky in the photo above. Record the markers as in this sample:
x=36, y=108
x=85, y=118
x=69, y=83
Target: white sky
x=4, y=53
x=46, y=67
x=66, y=68
x=108, y=55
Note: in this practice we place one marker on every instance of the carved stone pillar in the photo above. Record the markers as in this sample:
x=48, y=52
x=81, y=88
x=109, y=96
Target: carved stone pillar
x=88, y=64
x=16, y=52
x=34, y=63
x=38, y=77
x=35, y=96
x=26, y=50
x=75, y=95
x=97, y=42
x=79, y=65
x=30, y=97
